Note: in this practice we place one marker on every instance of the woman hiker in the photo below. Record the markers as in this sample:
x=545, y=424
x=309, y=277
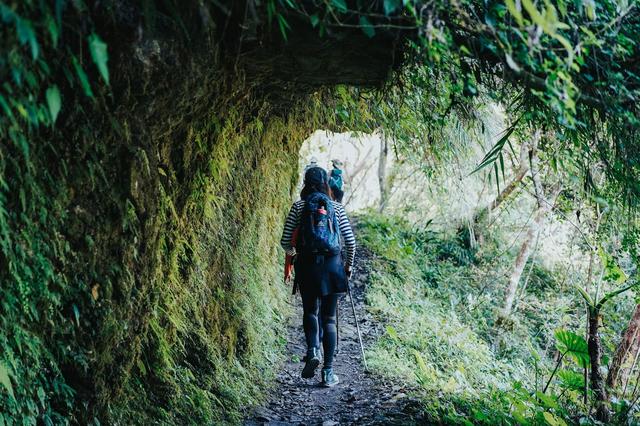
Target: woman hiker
x=336, y=180
x=322, y=228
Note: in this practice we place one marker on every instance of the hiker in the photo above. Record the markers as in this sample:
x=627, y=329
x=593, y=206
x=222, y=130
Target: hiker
x=336, y=181
x=321, y=276
x=312, y=163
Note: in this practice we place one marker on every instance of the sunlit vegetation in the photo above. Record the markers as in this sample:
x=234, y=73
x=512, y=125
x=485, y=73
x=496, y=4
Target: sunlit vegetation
x=438, y=299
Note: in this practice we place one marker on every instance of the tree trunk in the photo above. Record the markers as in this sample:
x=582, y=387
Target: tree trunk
x=624, y=377
x=543, y=208
x=585, y=395
x=521, y=261
x=627, y=344
x=595, y=355
x=355, y=176
x=504, y=194
x=382, y=172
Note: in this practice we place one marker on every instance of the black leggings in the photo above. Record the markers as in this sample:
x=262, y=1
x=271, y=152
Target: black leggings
x=326, y=305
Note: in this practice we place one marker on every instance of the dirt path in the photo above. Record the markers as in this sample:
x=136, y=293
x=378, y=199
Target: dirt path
x=360, y=398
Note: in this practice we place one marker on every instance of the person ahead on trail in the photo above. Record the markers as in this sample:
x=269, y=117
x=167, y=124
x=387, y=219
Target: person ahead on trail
x=322, y=228
x=312, y=163
x=336, y=180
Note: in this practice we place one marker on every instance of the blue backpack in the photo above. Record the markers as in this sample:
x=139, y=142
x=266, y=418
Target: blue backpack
x=335, y=181
x=319, y=226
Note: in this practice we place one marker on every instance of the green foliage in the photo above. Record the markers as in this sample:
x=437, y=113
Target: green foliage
x=612, y=271
x=394, y=239
x=571, y=380
x=138, y=233
x=425, y=343
x=574, y=346
x=495, y=153
x=193, y=329
x=366, y=26
x=54, y=102
x=6, y=381
x=43, y=304
x=98, y=49
x=440, y=336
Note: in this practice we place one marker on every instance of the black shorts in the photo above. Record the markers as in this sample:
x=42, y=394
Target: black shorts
x=321, y=275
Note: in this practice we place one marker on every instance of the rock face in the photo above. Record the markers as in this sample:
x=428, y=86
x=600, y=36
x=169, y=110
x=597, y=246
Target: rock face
x=140, y=233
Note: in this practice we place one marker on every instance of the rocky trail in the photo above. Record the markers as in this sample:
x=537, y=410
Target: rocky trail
x=361, y=398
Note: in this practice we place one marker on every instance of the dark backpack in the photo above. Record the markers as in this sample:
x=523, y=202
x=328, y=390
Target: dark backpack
x=335, y=181
x=319, y=226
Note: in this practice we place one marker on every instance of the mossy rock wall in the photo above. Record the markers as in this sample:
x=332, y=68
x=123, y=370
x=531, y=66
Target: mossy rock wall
x=139, y=268
x=156, y=290
x=200, y=299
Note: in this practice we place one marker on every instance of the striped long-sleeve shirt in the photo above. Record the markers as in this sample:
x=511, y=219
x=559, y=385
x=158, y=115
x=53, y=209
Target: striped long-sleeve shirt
x=293, y=221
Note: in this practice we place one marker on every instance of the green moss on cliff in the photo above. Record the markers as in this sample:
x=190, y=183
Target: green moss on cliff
x=165, y=295
x=215, y=291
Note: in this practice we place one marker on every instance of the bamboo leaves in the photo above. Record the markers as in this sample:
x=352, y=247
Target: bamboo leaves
x=82, y=77
x=339, y=5
x=366, y=26
x=98, y=49
x=283, y=25
x=547, y=20
x=495, y=153
x=53, y=102
x=495, y=157
x=391, y=6
x=26, y=35
x=515, y=11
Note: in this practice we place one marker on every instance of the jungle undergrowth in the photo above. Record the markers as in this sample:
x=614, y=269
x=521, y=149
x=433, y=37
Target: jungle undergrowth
x=438, y=300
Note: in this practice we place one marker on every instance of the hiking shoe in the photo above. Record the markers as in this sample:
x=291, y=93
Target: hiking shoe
x=312, y=361
x=328, y=378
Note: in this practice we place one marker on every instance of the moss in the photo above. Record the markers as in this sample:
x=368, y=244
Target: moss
x=175, y=307
x=160, y=270
x=210, y=311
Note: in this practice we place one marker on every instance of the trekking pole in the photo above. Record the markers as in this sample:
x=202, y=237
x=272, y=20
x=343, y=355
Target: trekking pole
x=355, y=316
x=337, y=328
